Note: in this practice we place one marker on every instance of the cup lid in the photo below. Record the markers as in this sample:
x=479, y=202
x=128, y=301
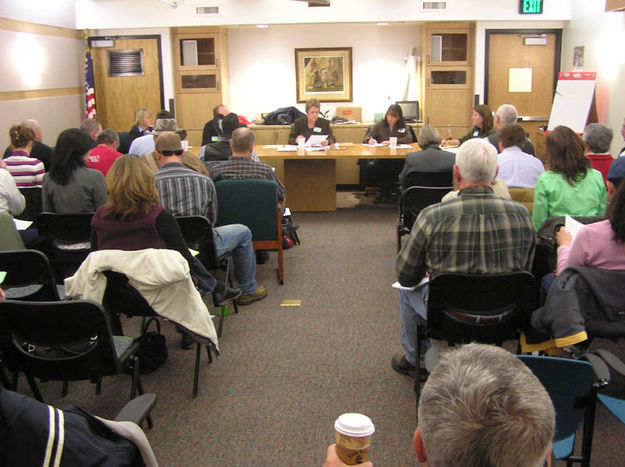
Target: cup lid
x=355, y=425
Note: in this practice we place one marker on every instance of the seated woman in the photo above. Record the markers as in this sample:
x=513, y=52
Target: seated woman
x=570, y=186
x=132, y=220
x=482, y=120
x=380, y=172
x=26, y=171
x=143, y=123
x=597, y=139
x=70, y=187
x=312, y=124
x=599, y=245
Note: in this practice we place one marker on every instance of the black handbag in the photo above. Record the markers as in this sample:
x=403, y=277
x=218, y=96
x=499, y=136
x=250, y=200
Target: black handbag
x=152, y=351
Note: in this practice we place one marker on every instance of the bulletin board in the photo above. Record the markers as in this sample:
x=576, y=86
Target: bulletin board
x=574, y=101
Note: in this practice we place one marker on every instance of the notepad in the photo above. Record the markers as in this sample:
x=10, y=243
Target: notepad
x=572, y=226
x=21, y=225
x=316, y=140
x=288, y=148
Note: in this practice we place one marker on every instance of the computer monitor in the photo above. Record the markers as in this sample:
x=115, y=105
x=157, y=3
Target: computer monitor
x=410, y=109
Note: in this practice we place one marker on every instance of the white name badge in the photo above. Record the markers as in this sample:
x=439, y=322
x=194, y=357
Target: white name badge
x=401, y=130
x=317, y=129
x=476, y=132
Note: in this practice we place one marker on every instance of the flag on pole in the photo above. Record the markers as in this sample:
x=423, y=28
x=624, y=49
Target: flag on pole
x=90, y=111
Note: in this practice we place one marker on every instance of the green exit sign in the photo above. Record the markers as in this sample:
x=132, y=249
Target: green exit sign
x=531, y=7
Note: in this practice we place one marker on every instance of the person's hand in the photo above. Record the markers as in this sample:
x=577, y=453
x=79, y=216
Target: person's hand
x=3, y=165
x=372, y=141
x=386, y=143
x=450, y=142
x=325, y=142
x=2, y=295
x=332, y=459
x=563, y=237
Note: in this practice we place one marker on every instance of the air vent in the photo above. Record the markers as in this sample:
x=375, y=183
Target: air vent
x=207, y=10
x=434, y=6
x=125, y=62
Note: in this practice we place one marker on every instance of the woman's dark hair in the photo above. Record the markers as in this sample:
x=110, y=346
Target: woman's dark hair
x=616, y=214
x=395, y=110
x=71, y=145
x=20, y=136
x=487, y=117
x=565, y=154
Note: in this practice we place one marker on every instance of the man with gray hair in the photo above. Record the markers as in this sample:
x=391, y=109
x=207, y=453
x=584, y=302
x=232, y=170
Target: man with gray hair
x=40, y=151
x=597, y=139
x=431, y=158
x=507, y=114
x=483, y=406
x=475, y=233
x=91, y=126
x=104, y=154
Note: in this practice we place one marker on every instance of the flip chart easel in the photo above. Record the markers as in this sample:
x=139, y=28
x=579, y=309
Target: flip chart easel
x=574, y=101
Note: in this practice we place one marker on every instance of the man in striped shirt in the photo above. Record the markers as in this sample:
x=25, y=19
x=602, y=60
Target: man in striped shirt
x=474, y=233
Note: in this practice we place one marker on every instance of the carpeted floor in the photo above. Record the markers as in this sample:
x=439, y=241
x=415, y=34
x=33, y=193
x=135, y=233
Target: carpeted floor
x=286, y=373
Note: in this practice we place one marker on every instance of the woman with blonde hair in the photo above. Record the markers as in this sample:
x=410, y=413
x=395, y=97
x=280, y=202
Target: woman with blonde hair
x=132, y=220
x=143, y=122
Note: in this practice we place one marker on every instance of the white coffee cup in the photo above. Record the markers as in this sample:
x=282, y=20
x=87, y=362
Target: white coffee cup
x=393, y=141
x=353, y=433
x=185, y=144
x=301, y=142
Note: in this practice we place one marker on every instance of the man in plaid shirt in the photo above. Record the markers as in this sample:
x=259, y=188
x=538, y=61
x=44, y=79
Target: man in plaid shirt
x=475, y=233
x=241, y=165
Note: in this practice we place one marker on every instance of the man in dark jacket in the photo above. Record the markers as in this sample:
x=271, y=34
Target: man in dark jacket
x=213, y=131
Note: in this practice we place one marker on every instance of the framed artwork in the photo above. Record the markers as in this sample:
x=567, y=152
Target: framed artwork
x=324, y=74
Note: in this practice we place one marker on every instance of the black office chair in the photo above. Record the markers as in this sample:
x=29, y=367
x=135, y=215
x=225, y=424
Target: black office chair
x=421, y=189
x=198, y=234
x=68, y=240
x=486, y=308
x=29, y=276
x=64, y=341
x=572, y=386
x=32, y=195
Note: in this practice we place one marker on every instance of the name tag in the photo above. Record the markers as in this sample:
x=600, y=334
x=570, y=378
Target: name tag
x=214, y=139
x=401, y=130
x=317, y=130
x=476, y=132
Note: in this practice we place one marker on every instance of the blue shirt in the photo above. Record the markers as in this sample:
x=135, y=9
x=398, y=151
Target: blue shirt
x=519, y=169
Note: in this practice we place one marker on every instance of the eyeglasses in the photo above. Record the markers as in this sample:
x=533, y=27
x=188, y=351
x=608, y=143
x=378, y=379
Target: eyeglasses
x=171, y=153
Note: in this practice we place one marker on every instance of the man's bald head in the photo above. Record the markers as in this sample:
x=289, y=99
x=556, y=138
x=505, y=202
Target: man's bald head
x=35, y=126
x=242, y=142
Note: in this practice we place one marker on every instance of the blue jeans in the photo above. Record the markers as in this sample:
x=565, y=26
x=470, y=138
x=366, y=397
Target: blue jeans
x=237, y=238
x=413, y=309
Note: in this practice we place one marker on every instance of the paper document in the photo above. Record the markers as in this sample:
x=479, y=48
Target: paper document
x=398, y=286
x=572, y=226
x=376, y=145
x=316, y=140
x=287, y=148
x=21, y=225
x=316, y=148
x=287, y=212
x=403, y=146
x=272, y=146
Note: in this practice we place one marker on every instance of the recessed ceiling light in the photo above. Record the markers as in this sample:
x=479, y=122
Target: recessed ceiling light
x=262, y=26
x=382, y=24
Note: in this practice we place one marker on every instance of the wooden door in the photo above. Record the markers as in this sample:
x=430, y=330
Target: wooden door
x=117, y=97
x=507, y=55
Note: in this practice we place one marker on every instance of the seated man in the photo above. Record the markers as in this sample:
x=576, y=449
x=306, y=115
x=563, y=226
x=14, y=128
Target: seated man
x=597, y=139
x=507, y=114
x=615, y=175
x=213, y=130
x=481, y=406
x=104, y=154
x=431, y=158
x=474, y=233
x=92, y=127
x=184, y=192
x=517, y=168
x=241, y=164
x=221, y=150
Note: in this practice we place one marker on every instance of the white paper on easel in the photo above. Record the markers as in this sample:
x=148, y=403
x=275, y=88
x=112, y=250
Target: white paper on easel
x=572, y=100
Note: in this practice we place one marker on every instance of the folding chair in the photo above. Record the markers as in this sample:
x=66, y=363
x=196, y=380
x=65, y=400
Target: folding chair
x=64, y=341
x=253, y=203
x=29, y=276
x=572, y=386
x=198, y=234
x=421, y=190
x=485, y=308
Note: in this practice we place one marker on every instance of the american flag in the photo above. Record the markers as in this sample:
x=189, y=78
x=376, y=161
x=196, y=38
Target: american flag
x=89, y=91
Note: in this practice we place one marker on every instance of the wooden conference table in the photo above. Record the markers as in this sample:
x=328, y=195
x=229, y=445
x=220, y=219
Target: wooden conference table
x=310, y=176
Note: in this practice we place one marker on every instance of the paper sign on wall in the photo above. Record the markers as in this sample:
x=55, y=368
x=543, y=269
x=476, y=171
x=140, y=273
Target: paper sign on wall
x=520, y=80
x=572, y=101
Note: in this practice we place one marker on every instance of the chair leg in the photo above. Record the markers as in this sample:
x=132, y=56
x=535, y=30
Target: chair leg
x=398, y=239
x=210, y=355
x=280, y=265
x=231, y=281
x=65, y=389
x=98, y=386
x=589, y=426
x=34, y=388
x=135, y=378
x=221, y=311
x=196, y=375
x=417, y=376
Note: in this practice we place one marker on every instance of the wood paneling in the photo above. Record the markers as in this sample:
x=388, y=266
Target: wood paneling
x=117, y=98
x=39, y=93
x=36, y=28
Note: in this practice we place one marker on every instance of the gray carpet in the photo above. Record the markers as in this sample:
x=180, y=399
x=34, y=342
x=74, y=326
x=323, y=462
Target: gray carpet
x=286, y=373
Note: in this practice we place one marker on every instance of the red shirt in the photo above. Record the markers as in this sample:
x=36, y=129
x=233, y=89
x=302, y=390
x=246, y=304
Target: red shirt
x=101, y=158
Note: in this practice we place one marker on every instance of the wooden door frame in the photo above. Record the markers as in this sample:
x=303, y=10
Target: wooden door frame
x=160, y=57
x=556, y=56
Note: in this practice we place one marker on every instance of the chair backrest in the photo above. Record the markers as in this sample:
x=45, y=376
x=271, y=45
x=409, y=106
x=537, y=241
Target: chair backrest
x=253, y=203
x=59, y=341
x=124, y=142
x=65, y=228
x=487, y=308
x=197, y=232
x=32, y=195
x=29, y=275
x=525, y=196
x=422, y=189
x=9, y=238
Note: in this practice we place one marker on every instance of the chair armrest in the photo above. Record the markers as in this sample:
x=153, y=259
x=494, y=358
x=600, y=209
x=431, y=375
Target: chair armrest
x=602, y=372
x=137, y=410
